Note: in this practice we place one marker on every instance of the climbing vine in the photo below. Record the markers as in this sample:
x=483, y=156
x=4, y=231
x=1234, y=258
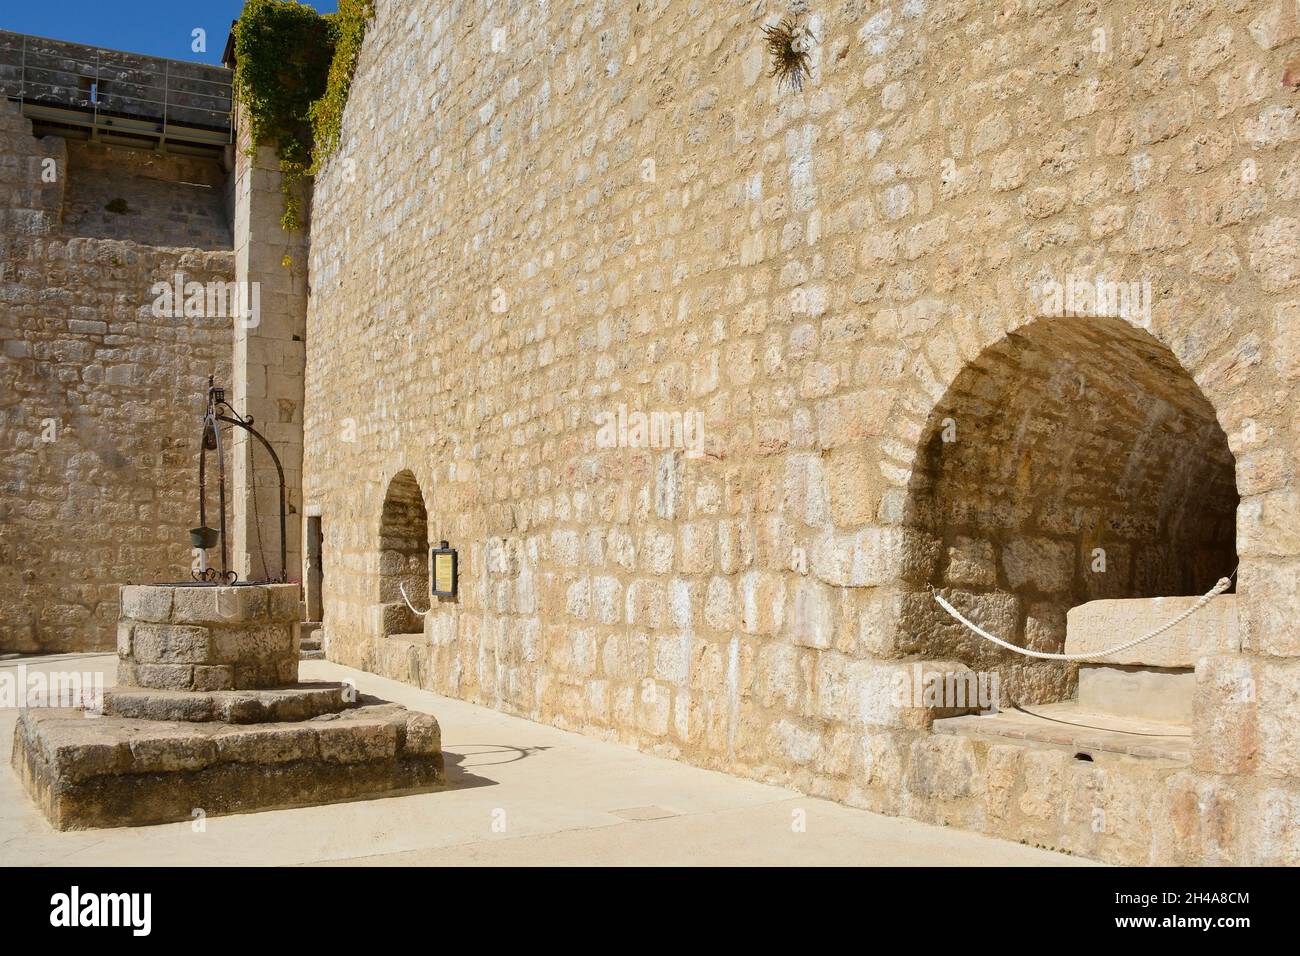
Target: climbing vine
x=349, y=29
x=293, y=71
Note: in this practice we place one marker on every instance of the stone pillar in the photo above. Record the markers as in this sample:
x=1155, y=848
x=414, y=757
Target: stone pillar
x=269, y=362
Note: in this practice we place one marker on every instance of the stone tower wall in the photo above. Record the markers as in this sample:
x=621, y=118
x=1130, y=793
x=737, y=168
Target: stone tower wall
x=544, y=215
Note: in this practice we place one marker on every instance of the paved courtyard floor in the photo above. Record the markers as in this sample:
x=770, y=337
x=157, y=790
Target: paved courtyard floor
x=522, y=794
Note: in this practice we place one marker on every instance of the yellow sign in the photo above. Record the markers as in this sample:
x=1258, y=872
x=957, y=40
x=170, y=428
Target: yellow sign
x=444, y=573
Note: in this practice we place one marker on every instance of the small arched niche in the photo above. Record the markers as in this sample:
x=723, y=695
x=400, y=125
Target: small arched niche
x=403, y=554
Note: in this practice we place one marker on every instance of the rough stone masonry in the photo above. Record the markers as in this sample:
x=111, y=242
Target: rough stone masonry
x=540, y=213
x=100, y=398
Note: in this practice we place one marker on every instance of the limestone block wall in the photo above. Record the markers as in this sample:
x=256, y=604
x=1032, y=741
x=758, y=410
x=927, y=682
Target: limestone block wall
x=544, y=216
x=153, y=199
x=32, y=202
x=269, y=357
x=100, y=407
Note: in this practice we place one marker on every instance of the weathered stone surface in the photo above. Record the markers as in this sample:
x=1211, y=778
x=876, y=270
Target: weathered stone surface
x=1273, y=819
x=1198, y=820
x=246, y=638
x=898, y=693
x=170, y=644
x=1142, y=692
x=163, y=676
x=1043, y=564
x=972, y=562
x=1278, y=689
x=1225, y=717
x=215, y=677
x=114, y=771
x=1098, y=625
x=96, y=474
x=353, y=739
x=942, y=767
x=422, y=735
x=873, y=556
x=1269, y=608
x=146, y=603
x=244, y=603
x=299, y=702
x=268, y=745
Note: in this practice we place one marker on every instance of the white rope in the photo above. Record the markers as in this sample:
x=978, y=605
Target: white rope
x=402, y=586
x=1222, y=585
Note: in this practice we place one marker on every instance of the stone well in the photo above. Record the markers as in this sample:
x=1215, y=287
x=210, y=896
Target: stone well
x=209, y=717
x=208, y=638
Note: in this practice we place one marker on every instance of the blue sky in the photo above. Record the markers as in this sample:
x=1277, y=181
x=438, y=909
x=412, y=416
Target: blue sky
x=156, y=27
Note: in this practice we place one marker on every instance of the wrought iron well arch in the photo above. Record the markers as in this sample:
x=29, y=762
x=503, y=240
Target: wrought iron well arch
x=204, y=537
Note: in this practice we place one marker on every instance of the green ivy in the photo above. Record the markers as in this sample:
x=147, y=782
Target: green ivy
x=293, y=71
x=349, y=28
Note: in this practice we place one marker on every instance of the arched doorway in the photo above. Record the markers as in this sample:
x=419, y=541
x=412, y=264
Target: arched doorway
x=1071, y=461
x=403, y=554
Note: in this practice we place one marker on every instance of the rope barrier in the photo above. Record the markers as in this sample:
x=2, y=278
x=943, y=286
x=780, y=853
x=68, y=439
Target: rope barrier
x=402, y=586
x=1222, y=585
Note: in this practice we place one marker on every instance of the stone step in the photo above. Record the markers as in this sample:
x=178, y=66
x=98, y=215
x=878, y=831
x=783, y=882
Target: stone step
x=1097, y=625
x=1059, y=727
x=310, y=641
x=1163, y=694
x=418, y=638
x=300, y=702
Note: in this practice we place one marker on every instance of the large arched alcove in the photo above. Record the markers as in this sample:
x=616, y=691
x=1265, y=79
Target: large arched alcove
x=1074, y=459
x=403, y=552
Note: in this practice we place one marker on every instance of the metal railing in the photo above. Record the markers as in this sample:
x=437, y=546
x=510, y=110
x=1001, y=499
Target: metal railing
x=111, y=92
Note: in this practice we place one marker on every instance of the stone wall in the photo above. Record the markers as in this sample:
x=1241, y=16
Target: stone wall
x=543, y=216
x=100, y=403
x=150, y=198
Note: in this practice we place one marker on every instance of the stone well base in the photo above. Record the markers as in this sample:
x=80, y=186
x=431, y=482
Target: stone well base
x=85, y=771
x=209, y=718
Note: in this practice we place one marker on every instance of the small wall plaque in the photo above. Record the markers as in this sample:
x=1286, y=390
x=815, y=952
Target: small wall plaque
x=443, y=562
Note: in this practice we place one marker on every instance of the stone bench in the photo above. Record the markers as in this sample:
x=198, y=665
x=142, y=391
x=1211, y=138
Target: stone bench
x=1154, y=680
